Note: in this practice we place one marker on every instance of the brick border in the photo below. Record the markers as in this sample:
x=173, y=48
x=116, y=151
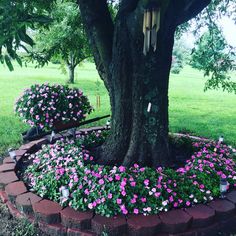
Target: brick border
x=53, y=220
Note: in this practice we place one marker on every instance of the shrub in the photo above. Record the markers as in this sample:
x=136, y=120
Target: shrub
x=45, y=105
x=136, y=190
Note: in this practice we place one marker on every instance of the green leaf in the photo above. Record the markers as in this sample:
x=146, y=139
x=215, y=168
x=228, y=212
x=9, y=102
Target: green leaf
x=8, y=62
x=25, y=38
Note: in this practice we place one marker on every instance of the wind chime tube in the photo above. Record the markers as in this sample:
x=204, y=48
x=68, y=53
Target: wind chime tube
x=145, y=33
x=153, y=33
x=148, y=28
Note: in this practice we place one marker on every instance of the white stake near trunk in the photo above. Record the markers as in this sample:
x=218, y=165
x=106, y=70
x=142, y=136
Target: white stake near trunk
x=149, y=107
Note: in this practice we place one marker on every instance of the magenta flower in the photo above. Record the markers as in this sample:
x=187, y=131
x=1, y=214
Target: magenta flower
x=118, y=201
x=136, y=211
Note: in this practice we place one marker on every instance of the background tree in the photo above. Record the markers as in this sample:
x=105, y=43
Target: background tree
x=135, y=81
x=216, y=58
x=181, y=55
x=64, y=39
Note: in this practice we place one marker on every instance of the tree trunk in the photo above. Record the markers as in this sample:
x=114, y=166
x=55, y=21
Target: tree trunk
x=134, y=80
x=138, y=81
x=71, y=70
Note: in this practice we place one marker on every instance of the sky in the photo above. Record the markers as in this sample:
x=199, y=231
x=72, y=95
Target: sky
x=229, y=31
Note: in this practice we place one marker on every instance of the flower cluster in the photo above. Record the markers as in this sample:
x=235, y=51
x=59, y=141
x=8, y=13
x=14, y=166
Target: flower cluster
x=45, y=105
x=135, y=190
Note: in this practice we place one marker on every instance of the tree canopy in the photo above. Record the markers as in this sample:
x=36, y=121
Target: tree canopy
x=64, y=39
x=136, y=82
x=17, y=17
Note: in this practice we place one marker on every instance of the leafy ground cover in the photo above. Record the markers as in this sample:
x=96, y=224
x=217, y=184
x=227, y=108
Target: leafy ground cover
x=16, y=227
x=207, y=114
x=112, y=190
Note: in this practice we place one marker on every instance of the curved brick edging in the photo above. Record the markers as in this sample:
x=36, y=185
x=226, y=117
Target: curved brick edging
x=198, y=220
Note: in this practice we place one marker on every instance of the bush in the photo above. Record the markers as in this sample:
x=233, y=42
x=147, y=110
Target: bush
x=137, y=190
x=45, y=105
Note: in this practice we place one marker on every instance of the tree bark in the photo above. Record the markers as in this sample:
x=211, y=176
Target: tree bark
x=71, y=70
x=134, y=80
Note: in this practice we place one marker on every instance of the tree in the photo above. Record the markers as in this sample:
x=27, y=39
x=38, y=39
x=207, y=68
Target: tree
x=63, y=39
x=216, y=61
x=180, y=56
x=134, y=81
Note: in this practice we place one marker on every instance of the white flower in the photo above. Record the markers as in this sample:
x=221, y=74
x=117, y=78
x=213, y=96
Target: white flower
x=164, y=203
x=195, y=200
x=191, y=196
x=154, y=190
x=90, y=206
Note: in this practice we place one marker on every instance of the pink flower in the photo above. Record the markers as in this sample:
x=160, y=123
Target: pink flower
x=122, y=169
x=157, y=194
x=133, y=184
x=109, y=196
x=202, y=186
x=146, y=182
x=118, y=201
x=176, y=204
x=133, y=200
x=136, y=166
x=101, y=181
x=117, y=177
x=136, y=211
x=171, y=199
x=188, y=203
x=143, y=199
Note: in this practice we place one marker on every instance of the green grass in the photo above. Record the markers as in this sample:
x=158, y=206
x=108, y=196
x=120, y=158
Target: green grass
x=208, y=114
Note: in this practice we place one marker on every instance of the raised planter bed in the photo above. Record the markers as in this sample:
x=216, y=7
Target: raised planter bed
x=54, y=220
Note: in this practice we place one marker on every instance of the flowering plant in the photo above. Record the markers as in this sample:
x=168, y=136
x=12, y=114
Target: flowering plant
x=136, y=190
x=44, y=105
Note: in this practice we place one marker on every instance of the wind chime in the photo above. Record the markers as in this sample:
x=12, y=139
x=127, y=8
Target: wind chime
x=151, y=26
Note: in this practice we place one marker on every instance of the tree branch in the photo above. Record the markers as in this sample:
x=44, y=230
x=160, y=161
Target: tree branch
x=99, y=27
x=189, y=9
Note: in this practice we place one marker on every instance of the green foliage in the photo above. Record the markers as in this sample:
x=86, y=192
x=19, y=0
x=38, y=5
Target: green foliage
x=64, y=39
x=112, y=190
x=213, y=56
x=180, y=56
x=16, y=17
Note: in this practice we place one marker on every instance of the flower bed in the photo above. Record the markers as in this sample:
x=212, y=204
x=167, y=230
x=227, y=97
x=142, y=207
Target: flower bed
x=45, y=106
x=137, y=190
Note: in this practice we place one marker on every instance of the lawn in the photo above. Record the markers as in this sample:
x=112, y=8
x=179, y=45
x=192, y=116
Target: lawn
x=208, y=114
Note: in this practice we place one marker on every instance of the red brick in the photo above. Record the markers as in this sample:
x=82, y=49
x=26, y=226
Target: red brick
x=14, y=189
x=3, y=196
x=231, y=197
x=47, y=211
x=28, y=146
x=20, y=153
x=7, y=178
x=75, y=219
x=175, y=221
x=40, y=142
x=78, y=232
x=224, y=209
x=112, y=226
x=25, y=201
x=139, y=225
x=8, y=160
x=7, y=167
x=53, y=229
x=202, y=215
